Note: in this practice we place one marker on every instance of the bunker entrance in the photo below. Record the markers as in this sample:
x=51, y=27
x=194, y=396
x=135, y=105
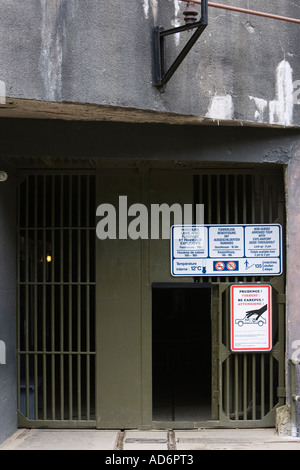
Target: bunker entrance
x=181, y=352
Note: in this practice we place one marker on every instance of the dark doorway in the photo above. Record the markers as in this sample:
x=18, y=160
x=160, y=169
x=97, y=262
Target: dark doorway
x=181, y=352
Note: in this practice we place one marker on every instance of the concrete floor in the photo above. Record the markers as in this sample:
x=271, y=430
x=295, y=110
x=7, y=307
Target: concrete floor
x=204, y=439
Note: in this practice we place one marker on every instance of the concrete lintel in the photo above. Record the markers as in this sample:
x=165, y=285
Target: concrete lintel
x=32, y=109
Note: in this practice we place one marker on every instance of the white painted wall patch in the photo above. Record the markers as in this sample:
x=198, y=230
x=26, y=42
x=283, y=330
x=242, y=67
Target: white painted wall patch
x=2, y=353
x=220, y=107
x=146, y=7
x=281, y=109
x=260, y=105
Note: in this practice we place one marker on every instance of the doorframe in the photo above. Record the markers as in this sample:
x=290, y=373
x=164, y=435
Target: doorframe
x=214, y=375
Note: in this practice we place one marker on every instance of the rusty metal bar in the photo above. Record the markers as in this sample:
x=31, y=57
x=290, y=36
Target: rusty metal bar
x=247, y=11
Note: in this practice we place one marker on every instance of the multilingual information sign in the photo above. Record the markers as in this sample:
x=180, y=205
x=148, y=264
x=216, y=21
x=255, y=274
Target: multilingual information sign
x=226, y=250
x=251, y=318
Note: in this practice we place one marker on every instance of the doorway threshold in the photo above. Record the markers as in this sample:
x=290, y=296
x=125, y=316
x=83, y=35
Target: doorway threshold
x=186, y=424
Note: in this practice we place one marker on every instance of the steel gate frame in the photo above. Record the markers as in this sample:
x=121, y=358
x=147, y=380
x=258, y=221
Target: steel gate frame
x=62, y=359
x=221, y=354
x=220, y=288
x=238, y=382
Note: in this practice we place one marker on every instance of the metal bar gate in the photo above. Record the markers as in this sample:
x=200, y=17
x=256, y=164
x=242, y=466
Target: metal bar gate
x=246, y=387
x=56, y=300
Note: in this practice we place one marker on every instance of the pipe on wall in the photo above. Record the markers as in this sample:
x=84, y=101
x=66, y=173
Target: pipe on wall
x=249, y=12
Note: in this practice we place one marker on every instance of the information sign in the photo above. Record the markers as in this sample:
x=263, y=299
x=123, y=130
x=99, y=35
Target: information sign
x=224, y=250
x=251, y=318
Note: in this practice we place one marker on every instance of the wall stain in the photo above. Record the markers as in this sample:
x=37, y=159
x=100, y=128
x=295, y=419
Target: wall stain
x=52, y=36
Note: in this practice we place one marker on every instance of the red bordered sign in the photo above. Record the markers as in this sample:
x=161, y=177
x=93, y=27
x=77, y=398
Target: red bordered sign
x=251, y=317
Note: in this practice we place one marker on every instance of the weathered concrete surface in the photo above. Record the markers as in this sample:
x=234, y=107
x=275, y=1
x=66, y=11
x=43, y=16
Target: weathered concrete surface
x=159, y=441
x=8, y=393
x=283, y=420
x=75, y=439
x=146, y=440
x=293, y=262
x=243, y=67
x=101, y=141
x=293, y=271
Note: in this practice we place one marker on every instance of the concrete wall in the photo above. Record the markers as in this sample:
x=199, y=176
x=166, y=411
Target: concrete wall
x=243, y=67
x=8, y=393
x=293, y=265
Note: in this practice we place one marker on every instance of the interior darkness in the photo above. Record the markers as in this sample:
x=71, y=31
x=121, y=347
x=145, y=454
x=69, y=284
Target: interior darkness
x=181, y=352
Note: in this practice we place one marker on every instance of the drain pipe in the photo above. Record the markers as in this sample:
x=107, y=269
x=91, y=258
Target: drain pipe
x=248, y=12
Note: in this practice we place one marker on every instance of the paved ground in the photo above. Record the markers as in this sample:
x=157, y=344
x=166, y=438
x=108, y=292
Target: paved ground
x=206, y=439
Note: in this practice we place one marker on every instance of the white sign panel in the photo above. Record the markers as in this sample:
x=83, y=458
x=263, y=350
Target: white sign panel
x=251, y=318
x=226, y=241
x=225, y=250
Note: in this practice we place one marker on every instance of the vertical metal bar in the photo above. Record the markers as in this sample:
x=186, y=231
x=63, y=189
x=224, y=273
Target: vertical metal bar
x=79, y=298
x=218, y=200
x=88, y=345
x=50, y=266
x=245, y=375
x=44, y=304
x=18, y=300
x=270, y=204
x=253, y=386
x=227, y=204
x=262, y=200
x=271, y=380
x=236, y=386
x=70, y=345
x=195, y=196
x=209, y=199
x=62, y=313
x=262, y=380
x=236, y=199
x=27, y=308
x=244, y=199
x=35, y=300
x=253, y=199
x=227, y=386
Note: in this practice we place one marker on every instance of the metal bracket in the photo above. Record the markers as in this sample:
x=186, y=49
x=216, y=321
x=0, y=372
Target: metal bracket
x=160, y=77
